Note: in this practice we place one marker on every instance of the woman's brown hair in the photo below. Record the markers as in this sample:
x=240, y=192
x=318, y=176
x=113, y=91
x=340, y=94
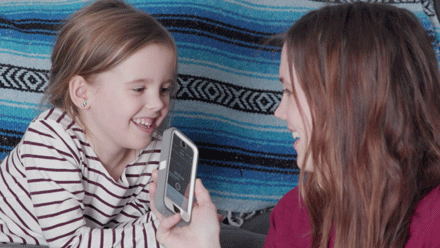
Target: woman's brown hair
x=372, y=82
x=95, y=39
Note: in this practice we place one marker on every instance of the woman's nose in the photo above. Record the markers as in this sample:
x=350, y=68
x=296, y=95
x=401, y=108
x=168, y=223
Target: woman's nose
x=280, y=112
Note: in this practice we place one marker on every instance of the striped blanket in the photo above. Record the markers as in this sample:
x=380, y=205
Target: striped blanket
x=228, y=84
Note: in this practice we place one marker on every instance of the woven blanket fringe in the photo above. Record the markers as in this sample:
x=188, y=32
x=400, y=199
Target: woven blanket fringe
x=238, y=219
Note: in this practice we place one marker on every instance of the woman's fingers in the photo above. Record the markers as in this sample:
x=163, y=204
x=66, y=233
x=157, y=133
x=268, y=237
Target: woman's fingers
x=220, y=218
x=152, y=189
x=166, y=228
x=204, y=229
x=201, y=193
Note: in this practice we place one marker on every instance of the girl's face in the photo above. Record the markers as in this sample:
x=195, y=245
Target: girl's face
x=128, y=102
x=288, y=110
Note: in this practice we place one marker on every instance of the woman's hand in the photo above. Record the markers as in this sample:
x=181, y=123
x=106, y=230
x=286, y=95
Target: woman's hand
x=204, y=229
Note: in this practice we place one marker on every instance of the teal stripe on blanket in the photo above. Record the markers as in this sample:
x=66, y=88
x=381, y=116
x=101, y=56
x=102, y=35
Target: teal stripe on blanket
x=219, y=59
x=257, y=75
x=254, y=141
x=245, y=140
x=40, y=44
x=245, y=191
x=13, y=109
x=246, y=177
x=17, y=9
x=235, y=13
x=27, y=48
x=14, y=124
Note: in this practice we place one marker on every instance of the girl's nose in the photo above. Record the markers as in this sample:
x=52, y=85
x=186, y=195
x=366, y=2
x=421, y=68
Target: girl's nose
x=155, y=101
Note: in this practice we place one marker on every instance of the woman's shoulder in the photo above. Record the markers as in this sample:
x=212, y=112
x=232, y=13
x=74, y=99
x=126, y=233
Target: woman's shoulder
x=425, y=222
x=291, y=200
x=289, y=222
x=429, y=206
x=291, y=210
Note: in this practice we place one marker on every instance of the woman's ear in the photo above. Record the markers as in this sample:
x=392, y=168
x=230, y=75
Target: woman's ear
x=79, y=90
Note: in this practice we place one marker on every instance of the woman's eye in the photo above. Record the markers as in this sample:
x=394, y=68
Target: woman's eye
x=287, y=92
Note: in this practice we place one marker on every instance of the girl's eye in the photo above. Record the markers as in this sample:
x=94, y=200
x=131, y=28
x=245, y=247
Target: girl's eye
x=165, y=90
x=140, y=89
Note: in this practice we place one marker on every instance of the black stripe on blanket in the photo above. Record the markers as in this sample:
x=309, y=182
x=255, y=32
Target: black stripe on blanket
x=31, y=26
x=187, y=24
x=9, y=138
x=232, y=157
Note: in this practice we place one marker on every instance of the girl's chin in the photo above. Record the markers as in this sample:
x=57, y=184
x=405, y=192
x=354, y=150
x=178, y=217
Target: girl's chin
x=141, y=144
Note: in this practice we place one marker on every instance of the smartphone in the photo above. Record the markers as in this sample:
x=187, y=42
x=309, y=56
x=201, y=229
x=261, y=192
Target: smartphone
x=176, y=175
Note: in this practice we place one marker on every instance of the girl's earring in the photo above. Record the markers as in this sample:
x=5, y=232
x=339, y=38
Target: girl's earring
x=84, y=104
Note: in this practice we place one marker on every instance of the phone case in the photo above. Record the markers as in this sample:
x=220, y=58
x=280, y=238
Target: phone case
x=159, y=199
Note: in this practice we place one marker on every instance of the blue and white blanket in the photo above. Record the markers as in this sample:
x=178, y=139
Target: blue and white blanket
x=228, y=84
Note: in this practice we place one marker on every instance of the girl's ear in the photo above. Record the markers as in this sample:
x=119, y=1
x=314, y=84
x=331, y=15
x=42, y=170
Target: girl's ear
x=78, y=90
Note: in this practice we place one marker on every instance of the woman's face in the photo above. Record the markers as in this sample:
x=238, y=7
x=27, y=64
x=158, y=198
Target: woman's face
x=289, y=111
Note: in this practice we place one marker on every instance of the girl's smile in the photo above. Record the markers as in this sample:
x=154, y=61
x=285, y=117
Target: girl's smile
x=146, y=125
x=128, y=103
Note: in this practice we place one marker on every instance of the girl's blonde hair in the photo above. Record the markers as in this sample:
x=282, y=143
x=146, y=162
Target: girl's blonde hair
x=95, y=39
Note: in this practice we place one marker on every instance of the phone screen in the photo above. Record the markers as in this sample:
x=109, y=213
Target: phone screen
x=179, y=174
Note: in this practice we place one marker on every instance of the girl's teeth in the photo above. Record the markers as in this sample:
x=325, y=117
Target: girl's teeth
x=141, y=121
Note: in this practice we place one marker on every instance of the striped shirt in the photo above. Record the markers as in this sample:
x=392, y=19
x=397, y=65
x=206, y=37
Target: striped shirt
x=54, y=191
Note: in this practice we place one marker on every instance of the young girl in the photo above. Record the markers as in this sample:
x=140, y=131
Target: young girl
x=362, y=92
x=80, y=175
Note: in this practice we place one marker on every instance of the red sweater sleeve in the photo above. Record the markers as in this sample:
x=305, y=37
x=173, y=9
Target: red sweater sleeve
x=289, y=223
x=425, y=222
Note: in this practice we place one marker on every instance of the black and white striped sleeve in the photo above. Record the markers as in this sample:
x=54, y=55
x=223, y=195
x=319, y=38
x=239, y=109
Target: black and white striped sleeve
x=53, y=168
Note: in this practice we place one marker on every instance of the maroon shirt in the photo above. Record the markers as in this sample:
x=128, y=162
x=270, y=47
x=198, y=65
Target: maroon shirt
x=290, y=224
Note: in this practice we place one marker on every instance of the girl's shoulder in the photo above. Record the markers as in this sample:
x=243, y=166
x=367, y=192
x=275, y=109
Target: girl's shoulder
x=54, y=121
x=57, y=121
x=55, y=117
x=54, y=130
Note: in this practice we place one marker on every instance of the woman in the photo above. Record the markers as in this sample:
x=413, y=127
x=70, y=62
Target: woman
x=362, y=94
